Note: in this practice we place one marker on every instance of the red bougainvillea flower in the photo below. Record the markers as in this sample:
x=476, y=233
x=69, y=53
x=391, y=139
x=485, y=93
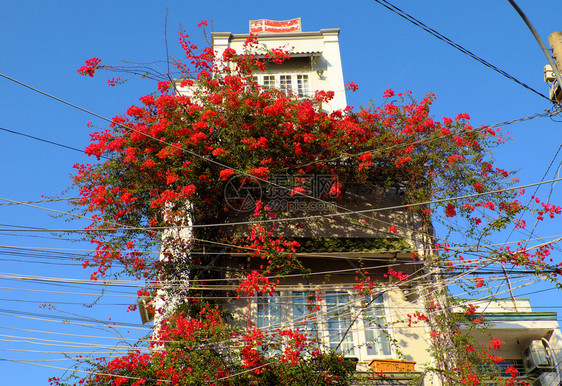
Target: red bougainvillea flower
x=512, y=371
x=496, y=343
x=297, y=190
x=90, y=67
x=225, y=174
x=450, y=210
x=352, y=86
x=388, y=93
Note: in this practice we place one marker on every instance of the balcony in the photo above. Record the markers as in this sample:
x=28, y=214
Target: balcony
x=391, y=372
x=391, y=366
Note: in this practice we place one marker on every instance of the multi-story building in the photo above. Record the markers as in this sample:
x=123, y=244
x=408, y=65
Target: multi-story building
x=374, y=329
x=379, y=329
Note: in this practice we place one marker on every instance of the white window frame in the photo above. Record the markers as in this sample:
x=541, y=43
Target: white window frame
x=356, y=337
x=297, y=84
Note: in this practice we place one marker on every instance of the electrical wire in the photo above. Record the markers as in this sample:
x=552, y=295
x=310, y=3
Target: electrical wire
x=83, y=371
x=361, y=214
x=179, y=148
x=354, y=330
x=43, y=140
x=39, y=201
x=52, y=342
x=460, y=48
x=300, y=218
x=43, y=332
x=71, y=320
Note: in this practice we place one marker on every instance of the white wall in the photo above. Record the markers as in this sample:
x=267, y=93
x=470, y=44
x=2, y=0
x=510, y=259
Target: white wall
x=328, y=60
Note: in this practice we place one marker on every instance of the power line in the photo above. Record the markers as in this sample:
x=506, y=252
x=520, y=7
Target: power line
x=112, y=294
x=49, y=209
x=83, y=371
x=39, y=237
x=117, y=283
x=301, y=218
x=165, y=142
x=51, y=302
x=61, y=352
x=547, y=113
x=51, y=342
x=49, y=252
x=43, y=140
x=71, y=320
x=360, y=213
x=38, y=201
x=441, y=37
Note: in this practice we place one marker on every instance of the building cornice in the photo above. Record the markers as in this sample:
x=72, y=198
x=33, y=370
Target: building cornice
x=322, y=32
x=519, y=316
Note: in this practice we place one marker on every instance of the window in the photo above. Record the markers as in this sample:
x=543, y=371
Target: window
x=297, y=84
x=303, y=315
x=268, y=81
x=285, y=83
x=269, y=311
x=303, y=88
x=376, y=337
x=329, y=321
x=338, y=319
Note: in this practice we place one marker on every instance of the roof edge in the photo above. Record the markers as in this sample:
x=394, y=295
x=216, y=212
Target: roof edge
x=278, y=35
x=523, y=316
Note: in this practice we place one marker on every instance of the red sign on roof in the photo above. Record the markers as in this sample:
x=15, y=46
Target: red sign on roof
x=275, y=26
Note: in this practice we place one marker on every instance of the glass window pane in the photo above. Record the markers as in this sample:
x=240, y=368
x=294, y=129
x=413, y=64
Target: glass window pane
x=374, y=321
x=285, y=83
x=303, y=89
x=339, y=321
x=269, y=81
x=269, y=310
x=303, y=316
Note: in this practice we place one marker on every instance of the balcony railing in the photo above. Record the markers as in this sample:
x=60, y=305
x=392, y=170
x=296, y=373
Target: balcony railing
x=392, y=366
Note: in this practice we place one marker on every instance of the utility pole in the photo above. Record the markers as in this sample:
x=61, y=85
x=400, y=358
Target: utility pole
x=553, y=72
x=555, y=41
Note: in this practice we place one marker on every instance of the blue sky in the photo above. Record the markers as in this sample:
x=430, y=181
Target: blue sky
x=43, y=43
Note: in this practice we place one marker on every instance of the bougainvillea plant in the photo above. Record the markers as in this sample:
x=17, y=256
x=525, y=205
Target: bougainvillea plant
x=160, y=179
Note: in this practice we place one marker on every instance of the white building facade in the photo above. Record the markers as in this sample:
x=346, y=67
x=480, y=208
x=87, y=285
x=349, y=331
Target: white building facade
x=314, y=63
x=531, y=341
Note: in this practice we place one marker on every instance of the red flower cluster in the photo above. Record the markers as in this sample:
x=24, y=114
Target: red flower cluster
x=90, y=67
